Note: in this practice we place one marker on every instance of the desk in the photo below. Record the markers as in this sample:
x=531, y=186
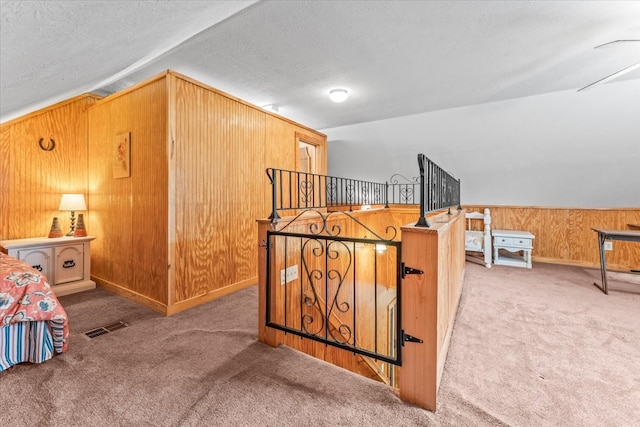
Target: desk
x=603, y=235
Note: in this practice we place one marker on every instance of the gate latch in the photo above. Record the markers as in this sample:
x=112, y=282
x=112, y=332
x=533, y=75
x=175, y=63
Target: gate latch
x=410, y=270
x=410, y=338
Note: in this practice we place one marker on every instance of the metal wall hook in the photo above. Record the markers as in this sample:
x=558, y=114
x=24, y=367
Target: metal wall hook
x=50, y=145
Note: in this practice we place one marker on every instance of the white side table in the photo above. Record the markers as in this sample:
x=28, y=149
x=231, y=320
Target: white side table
x=514, y=242
x=65, y=261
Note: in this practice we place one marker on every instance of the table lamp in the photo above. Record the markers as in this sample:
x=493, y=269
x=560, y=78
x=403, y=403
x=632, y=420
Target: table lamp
x=73, y=203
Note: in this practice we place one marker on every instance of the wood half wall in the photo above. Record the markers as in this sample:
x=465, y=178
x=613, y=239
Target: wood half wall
x=565, y=235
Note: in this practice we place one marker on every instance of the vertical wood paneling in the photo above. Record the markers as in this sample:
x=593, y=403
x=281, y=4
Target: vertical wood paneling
x=565, y=235
x=32, y=180
x=223, y=148
x=129, y=215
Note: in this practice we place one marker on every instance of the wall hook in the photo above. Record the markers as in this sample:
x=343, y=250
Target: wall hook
x=50, y=145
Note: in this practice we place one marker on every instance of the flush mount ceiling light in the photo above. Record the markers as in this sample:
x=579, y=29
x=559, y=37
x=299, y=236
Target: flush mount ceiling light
x=338, y=95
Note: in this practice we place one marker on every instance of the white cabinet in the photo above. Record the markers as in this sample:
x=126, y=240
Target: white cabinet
x=514, y=242
x=65, y=261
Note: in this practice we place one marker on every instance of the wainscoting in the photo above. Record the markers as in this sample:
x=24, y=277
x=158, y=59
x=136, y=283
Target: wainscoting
x=565, y=235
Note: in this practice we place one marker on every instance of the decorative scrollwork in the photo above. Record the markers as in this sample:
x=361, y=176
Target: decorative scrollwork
x=365, y=195
x=406, y=194
x=349, y=193
x=306, y=191
x=322, y=228
x=332, y=192
x=310, y=296
x=378, y=195
x=396, y=177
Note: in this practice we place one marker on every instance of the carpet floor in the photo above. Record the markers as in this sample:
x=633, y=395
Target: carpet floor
x=539, y=347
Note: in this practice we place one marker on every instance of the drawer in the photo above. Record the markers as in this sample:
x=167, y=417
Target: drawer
x=521, y=242
x=39, y=258
x=505, y=241
x=69, y=263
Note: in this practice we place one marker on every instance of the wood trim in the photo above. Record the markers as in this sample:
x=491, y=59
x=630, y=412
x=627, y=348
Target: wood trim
x=215, y=294
x=51, y=107
x=130, y=89
x=549, y=207
x=129, y=294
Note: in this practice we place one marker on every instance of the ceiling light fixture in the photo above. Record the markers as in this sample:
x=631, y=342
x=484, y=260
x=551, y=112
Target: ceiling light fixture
x=338, y=95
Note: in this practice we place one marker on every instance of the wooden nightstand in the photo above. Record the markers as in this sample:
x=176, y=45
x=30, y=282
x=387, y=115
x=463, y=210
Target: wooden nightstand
x=514, y=242
x=65, y=261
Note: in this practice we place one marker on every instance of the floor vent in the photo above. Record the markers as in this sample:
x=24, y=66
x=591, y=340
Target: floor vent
x=106, y=329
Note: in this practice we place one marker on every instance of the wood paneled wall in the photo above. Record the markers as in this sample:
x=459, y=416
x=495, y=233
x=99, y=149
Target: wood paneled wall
x=223, y=147
x=129, y=215
x=31, y=179
x=181, y=230
x=565, y=235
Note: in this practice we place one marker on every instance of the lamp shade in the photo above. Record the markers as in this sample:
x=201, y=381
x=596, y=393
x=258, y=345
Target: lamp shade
x=72, y=202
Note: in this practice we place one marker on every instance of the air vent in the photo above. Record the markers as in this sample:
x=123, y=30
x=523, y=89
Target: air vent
x=102, y=330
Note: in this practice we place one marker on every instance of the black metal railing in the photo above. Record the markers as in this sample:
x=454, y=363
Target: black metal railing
x=403, y=191
x=336, y=290
x=434, y=189
x=438, y=189
x=291, y=190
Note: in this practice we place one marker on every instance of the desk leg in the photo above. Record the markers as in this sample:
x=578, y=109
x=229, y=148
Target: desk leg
x=603, y=265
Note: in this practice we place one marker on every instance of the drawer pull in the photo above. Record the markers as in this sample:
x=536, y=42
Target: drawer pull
x=69, y=263
x=37, y=267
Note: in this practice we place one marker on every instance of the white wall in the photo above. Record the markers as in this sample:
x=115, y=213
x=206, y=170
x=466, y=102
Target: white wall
x=569, y=149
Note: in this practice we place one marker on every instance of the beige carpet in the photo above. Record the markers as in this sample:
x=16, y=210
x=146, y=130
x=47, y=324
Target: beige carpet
x=530, y=348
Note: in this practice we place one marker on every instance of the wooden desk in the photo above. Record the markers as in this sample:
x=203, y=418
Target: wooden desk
x=603, y=235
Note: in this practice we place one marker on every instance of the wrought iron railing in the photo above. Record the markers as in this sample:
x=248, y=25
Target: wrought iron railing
x=291, y=190
x=338, y=290
x=438, y=189
x=403, y=191
x=434, y=189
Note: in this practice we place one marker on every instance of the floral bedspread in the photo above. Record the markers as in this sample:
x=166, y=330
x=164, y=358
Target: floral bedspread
x=25, y=295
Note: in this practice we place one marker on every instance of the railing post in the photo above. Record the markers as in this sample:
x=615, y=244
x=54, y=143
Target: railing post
x=274, y=217
x=386, y=194
x=422, y=221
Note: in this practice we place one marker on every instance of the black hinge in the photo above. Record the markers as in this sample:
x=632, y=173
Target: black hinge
x=410, y=338
x=410, y=270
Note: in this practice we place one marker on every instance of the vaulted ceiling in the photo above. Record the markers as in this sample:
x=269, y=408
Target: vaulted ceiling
x=396, y=58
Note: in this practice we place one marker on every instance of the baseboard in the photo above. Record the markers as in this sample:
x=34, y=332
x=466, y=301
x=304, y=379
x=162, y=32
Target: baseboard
x=210, y=296
x=134, y=296
x=610, y=267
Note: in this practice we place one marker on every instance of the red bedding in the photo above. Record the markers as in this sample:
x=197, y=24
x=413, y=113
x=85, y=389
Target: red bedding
x=26, y=296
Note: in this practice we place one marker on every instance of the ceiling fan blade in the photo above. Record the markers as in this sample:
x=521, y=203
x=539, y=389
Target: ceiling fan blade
x=608, y=44
x=612, y=76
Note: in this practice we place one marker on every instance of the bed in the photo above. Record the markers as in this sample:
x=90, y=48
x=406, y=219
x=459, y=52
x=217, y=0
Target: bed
x=33, y=323
x=479, y=240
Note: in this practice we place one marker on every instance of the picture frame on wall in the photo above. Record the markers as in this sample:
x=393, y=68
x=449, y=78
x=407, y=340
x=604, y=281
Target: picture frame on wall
x=122, y=155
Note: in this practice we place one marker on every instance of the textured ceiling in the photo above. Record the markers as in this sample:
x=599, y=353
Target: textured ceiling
x=396, y=58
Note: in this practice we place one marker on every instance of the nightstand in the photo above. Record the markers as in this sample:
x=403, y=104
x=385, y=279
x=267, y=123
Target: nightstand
x=514, y=242
x=65, y=261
